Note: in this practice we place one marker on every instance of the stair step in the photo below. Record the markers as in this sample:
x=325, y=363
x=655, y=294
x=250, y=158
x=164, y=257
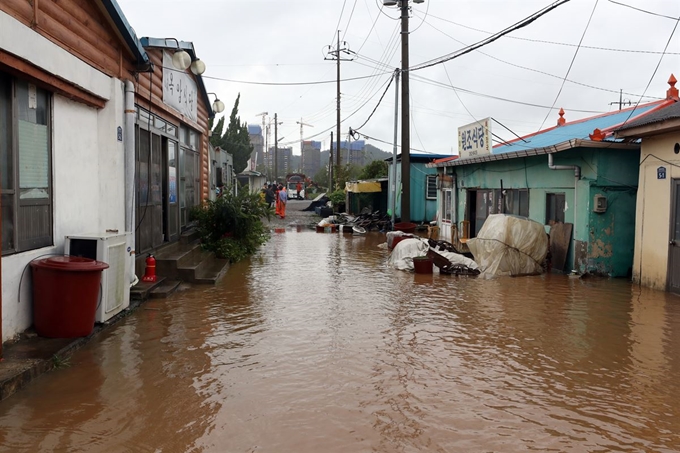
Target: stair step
x=189, y=236
x=165, y=289
x=211, y=271
x=142, y=289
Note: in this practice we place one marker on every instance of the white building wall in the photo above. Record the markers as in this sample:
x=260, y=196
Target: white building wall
x=87, y=164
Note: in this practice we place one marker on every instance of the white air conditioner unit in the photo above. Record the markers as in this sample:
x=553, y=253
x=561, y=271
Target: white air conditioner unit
x=113, y=249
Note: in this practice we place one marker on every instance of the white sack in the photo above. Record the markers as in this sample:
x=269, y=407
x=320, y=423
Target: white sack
x=402, y=255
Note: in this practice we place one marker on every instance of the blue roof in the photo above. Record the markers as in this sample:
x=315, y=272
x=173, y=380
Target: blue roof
x=579, y=129
x=254, y=129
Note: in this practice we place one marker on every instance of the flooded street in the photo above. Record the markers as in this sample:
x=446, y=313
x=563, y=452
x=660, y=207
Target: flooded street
x=314, y=345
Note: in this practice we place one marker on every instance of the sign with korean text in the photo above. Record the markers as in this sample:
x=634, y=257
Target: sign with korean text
x=475, y=139
x=179, y=89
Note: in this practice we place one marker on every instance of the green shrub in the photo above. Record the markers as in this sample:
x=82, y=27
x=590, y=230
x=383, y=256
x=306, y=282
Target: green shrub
x=231, y=226
x=337, y=197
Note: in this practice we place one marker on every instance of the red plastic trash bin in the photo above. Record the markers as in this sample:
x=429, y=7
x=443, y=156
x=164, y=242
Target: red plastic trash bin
x=65, y=295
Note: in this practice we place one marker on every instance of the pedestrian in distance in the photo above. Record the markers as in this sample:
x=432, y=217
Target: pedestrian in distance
x=270, y=196
x=298, y=187
x=283, y=199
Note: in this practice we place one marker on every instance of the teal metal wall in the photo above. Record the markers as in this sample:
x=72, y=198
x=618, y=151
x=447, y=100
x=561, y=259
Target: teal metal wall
x=601, y=242
x=422, y=209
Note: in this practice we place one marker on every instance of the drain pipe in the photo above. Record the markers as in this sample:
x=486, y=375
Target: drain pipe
x=577, y=177
x=129, y=145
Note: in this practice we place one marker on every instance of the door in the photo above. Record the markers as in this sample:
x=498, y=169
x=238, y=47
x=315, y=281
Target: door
x=170, y=192
x=149, y=228
x=674, y=243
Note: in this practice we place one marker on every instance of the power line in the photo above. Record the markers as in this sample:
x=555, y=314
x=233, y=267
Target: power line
x=490, y=39
x=337, y=27
x=644, y=10
x=321, y=82
x=573, y=59
x=349, y=21
x=543, y=41
x=379, y=101
x=535, y=70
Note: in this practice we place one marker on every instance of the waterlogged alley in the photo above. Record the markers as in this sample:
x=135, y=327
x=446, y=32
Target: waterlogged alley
x=314, y=345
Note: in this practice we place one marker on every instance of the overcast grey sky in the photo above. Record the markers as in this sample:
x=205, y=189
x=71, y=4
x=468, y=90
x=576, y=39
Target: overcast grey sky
x=254, y=46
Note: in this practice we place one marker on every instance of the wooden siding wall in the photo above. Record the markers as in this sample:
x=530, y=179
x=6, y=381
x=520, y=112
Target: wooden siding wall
x=77, y=26
x=155, y=81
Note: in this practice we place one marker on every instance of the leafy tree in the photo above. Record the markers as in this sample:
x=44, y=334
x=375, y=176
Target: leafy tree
x=374, y=170
x=321, y=176
x=235, y=139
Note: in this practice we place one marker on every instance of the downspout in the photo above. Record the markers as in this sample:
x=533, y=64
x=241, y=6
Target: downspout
x=129, y=145
x=577, y=177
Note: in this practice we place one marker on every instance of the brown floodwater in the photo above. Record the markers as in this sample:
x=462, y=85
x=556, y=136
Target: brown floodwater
x=315, y=345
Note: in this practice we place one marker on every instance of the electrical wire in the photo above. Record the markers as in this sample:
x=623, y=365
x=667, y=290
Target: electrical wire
x=573, y=59
x=337, y=27
x=677, y=21
x=371, y=30
x=537, y=70
x=350, y=20
x=522, y=23
x=543, y=41
x=644, y=10
x=379, y=101
x=321, y=82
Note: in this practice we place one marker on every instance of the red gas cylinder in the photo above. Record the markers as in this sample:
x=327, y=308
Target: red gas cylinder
x=150, y=273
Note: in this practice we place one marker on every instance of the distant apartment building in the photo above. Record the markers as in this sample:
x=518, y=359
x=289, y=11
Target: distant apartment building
x=257, y=140
x=283, y=160
x=311, y=157
x=353, y=152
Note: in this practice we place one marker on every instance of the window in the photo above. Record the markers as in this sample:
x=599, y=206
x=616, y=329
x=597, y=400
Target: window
x=554, y=208
x=446, y=205
x=431, y=190
x=516, y=202
x=25, y=162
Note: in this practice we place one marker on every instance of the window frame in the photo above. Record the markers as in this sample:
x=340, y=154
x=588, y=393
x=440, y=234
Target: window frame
x=554, y=197
x=21, y=221
x=431, y=187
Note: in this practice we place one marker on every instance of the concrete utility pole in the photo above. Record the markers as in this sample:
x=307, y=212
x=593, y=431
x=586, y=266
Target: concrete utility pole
x=405, y=121
x=394, y=154
x=330, y=165
x=621, y=102
x=335, y=55
x=276, y=146
x=265, y=151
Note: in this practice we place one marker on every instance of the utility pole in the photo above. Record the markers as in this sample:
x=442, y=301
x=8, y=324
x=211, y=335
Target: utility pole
x=302, y=154
x=621, y=101
x=405, y=121
x=335, y=55
x=394, y=153
x=276, y=146
x=265, y=150
x=330, y=166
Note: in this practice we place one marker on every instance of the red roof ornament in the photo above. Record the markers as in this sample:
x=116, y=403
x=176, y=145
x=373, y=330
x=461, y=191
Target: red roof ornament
x=561, y=121
x=597, y=135
x=672, y=92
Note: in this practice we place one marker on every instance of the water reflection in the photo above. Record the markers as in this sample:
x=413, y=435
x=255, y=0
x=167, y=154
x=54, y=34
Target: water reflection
x=315, y=345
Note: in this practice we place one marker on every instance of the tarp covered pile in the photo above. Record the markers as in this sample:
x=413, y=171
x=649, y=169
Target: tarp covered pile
x=509, y=245
x=407, y=249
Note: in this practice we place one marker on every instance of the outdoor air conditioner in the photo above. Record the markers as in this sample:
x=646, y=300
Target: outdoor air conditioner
x=113, y=249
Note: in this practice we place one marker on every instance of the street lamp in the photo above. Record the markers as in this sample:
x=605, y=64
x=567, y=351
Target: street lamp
x=180, y=59
x=217, y=106
x=405, y=107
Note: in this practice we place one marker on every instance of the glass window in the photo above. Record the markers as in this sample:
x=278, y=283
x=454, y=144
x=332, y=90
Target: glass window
x=446, y=201
x=25, y=162
x=554, y=208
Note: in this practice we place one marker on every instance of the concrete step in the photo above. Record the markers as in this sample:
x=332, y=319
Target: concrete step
x=189, y=236
x=142, y=290
x=165, y=289
x=209, y=270
x=168, y=262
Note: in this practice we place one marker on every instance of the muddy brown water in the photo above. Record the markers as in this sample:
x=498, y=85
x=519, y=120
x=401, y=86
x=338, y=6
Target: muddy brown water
x=314, y=345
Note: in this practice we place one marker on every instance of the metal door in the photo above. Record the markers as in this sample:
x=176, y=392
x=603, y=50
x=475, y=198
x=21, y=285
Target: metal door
x=170, y=192
x=674, y=244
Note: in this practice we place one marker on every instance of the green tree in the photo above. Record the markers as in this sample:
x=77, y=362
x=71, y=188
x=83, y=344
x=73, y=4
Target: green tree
x=374, y=170
x=235, y=139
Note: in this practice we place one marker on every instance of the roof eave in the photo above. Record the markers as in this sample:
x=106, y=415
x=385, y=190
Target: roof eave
x=644, y=130
x=127, y=33
x=559, y=147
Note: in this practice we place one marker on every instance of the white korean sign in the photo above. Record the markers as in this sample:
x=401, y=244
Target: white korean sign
x=179, y=89
x=475, y=139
